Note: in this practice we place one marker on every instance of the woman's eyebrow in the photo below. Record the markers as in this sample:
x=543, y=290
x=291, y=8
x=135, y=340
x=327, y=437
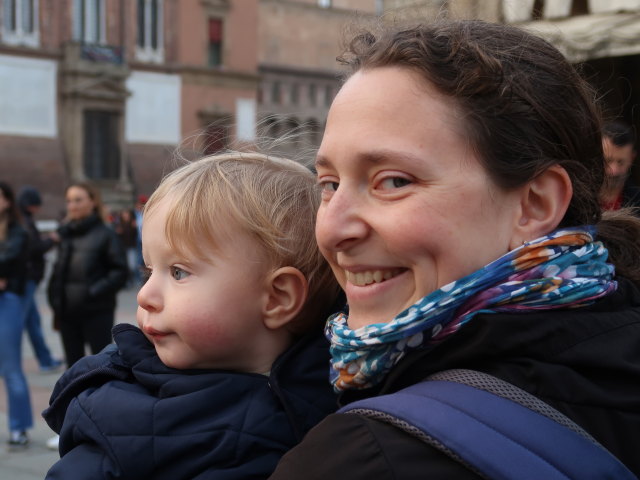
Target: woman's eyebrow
x=375, y=157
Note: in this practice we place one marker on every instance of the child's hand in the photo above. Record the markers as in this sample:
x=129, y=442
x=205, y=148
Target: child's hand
x=3, y=284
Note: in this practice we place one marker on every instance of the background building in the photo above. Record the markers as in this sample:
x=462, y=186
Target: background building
x=106, y=90
x=298, y=42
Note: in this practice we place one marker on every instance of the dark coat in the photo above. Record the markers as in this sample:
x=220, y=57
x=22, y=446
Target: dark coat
x=36, y=250
x=90, y=269
x=13, y=254
x=584, y=362
x=631, y=196
x=123, y=414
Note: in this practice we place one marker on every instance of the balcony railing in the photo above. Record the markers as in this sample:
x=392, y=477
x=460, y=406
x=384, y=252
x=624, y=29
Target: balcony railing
x=102, y=53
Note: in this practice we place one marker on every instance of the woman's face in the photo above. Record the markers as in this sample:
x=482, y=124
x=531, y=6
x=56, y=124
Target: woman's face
x=407, y=208
x=79, y=203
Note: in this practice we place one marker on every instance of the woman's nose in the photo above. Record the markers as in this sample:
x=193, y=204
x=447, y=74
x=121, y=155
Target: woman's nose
x=341, y=221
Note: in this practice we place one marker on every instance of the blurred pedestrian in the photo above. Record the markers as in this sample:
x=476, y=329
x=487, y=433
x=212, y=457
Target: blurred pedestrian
x=619, y=145
x=141, y=202
x=13, y=251
x=126, y=228
x=90, y=268
x=29, y=203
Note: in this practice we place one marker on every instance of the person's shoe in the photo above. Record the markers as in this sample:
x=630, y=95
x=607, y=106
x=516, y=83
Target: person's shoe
x=18, y=439
x=52, y=443
x=56, y=366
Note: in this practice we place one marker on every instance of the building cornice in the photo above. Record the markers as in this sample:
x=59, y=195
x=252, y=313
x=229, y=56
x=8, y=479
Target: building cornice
x=267, y=68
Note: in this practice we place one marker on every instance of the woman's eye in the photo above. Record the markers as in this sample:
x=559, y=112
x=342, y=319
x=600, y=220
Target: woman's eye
x=327, y=186
x=394, y=182
x=178, y=274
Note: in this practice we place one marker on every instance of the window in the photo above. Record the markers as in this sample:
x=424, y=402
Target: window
x=328, y=95
x=295, y=94
x=215, y=42
x=89, y=21
x=20, y=22
x=216, y=138
x=149, y=46
x=276, y=93
x=313, y=95
x=324, y=3
x=101, y=146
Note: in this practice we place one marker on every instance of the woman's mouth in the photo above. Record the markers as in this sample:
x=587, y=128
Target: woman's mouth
x=368, y=277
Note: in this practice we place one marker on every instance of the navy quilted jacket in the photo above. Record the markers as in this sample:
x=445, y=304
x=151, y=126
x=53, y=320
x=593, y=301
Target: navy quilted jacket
x=123, y=414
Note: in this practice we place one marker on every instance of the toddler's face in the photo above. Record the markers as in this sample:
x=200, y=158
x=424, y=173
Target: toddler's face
x=203, y=314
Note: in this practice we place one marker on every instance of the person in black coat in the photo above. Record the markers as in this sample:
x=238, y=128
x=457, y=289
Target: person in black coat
x=460, y=169
x=619, y=145
x=90, y=268
x=229, y=368
x=29, y=202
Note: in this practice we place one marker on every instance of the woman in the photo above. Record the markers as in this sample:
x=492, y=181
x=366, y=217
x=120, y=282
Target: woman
x=460, y=167
x=90, y=268
x=13, y=250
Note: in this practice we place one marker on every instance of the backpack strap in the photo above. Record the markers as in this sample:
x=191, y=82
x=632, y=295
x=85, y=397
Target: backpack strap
x=493, y=428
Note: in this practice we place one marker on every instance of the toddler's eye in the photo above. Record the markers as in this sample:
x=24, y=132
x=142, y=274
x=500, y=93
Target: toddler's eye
x=178, y=274
x=394, y=182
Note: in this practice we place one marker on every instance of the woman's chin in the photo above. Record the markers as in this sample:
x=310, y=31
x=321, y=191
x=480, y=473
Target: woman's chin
x=359, y=318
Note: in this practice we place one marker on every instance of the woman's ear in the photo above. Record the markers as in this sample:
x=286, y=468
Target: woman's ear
x=287, y=294
x=544, y=203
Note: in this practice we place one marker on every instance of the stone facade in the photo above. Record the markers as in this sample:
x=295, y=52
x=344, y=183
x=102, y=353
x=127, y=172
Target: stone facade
x=299, y=76
x=116, y=95
x=131, y=81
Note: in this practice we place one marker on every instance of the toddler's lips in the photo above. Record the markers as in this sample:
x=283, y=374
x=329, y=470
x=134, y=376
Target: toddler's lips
x=152, y=332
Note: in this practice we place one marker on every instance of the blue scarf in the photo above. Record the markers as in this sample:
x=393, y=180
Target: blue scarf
x=566, y=268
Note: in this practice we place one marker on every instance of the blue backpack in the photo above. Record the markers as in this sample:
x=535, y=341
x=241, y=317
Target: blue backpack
x=494, y=428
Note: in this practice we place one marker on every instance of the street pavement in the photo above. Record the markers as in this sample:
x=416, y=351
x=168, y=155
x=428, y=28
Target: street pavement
x=33, y=462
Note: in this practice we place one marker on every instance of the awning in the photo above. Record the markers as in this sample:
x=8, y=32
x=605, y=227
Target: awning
x=587, y=37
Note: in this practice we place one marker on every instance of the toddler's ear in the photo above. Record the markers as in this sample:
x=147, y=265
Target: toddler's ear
x=287, y=294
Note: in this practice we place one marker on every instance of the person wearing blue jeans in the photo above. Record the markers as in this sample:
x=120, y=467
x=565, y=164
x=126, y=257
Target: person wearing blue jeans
x=13, y=253
x=33, y=326
x=29, y=202
x=11, y=326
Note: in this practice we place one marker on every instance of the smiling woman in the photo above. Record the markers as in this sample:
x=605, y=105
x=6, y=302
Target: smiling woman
x=459, y=172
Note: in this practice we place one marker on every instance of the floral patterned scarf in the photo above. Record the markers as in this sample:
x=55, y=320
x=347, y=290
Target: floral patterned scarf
x=566, y=268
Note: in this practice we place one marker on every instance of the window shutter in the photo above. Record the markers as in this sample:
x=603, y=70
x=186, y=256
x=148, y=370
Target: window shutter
x=215, y=30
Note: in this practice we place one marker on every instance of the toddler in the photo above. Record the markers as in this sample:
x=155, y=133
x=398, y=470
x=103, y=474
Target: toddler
x=228, y=368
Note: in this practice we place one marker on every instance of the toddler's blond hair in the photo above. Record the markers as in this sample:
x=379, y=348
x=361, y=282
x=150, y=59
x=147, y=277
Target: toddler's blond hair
x=274, y=200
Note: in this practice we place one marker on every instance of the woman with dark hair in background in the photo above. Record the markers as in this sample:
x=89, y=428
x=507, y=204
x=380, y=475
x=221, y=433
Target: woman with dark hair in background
x=13, y=251
x=90, y=268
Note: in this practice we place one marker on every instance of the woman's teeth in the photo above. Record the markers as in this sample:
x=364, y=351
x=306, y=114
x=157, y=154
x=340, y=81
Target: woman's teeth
x=371, y=276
